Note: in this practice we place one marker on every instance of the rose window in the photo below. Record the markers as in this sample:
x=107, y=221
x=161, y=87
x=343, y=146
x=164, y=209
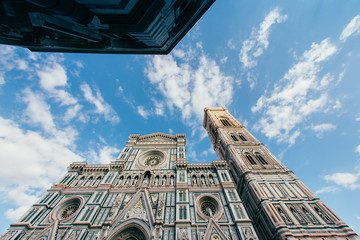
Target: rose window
x=152, y=158
x=208, y=206
x=152, y=161
x=208, y=209
x=69, y=210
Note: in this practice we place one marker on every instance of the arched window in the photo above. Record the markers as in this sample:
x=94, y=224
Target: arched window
x=261, y=159
x=250, y=159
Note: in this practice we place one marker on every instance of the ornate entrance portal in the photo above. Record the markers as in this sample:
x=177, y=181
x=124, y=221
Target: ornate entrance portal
x=131, y=233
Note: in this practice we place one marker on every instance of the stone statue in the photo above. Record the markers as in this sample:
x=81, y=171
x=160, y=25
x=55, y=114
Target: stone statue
x=145, y=181
x=194, y=180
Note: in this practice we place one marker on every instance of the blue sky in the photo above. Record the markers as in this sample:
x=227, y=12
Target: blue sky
x=288, y=70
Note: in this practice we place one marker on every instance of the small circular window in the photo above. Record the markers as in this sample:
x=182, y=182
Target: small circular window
x=208, y=206
x=67, y=209
x=152, y=161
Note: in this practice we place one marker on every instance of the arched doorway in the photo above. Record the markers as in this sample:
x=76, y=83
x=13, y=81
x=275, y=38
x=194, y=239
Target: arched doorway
x=133, y=229
x=131, y=233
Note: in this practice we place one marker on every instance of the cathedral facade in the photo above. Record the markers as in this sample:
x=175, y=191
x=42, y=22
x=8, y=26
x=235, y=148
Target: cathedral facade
x=152, y=192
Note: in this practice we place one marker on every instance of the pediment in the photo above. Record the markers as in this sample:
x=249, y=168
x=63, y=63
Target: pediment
x=157, y=137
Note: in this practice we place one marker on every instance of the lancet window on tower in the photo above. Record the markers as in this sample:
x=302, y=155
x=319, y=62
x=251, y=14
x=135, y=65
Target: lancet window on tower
x=182, y=177
x=250, y=159
x=234, y=138
x=322, y=215
x=297, y=215
x=261, y=159
x=225, y=122
x=232, y=195
x=224, y=177
x=242, y=138
x=284, y=217
x=239, y=212
x=182, y=195
x=309, y=215
x=182, y=212
x=87, y=214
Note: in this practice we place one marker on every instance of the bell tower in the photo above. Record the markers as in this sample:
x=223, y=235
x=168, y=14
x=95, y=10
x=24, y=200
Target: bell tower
x=278, y=203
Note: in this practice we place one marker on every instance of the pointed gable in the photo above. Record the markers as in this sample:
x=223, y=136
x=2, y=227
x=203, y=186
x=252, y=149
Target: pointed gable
x=139, y=207
x=214, y=228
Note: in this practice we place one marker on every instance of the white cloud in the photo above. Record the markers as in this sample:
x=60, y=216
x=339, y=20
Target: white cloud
x=53, y=79
x=38, y=162
x=38, y=111
x=72, y=112
x=357, y=150
x=102, y=107
x=324, y=127
x=231, y=44
x=144, y=113
x=159, y=107
x=328, y=189
x=2, y=79
x=347, y=180
x=224, y=60
x=121, y=90
x=190, y=82
x=337, y=105
x=352, y=28
x=296, y=96
x=105, y=155
x=258, y=41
